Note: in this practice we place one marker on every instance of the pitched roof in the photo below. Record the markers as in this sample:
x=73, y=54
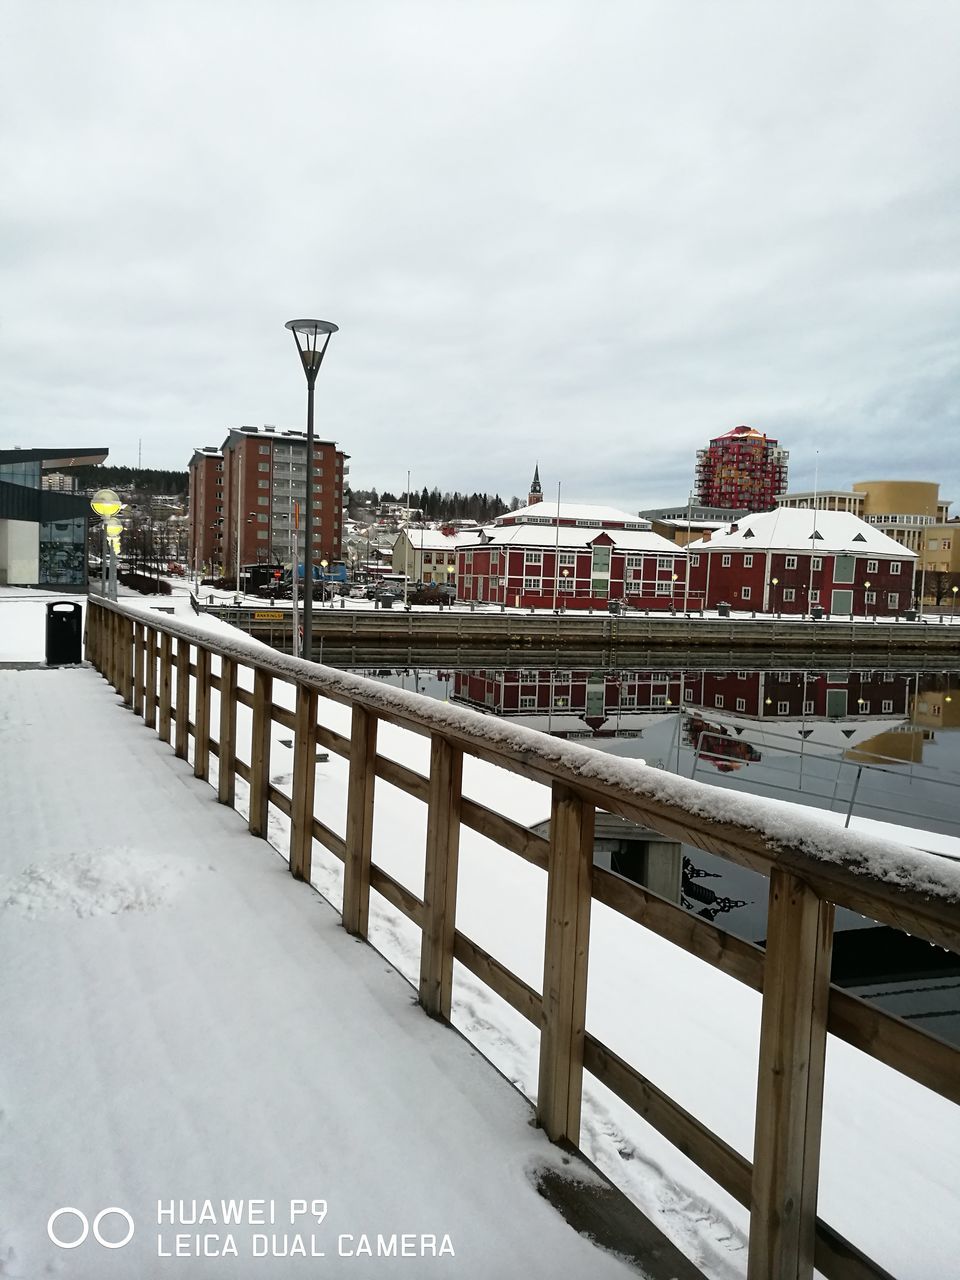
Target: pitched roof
x=571, y=538
x=547, y=513
x=803, y=529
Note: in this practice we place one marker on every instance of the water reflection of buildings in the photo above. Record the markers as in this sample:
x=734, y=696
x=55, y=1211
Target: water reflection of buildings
x=617, y=703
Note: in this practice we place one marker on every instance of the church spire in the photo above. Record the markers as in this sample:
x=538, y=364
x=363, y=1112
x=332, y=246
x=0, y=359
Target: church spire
x=536, y=493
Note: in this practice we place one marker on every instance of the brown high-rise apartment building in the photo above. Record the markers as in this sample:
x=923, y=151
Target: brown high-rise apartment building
x=742, y=469
x=265, y=471
x=206, y=509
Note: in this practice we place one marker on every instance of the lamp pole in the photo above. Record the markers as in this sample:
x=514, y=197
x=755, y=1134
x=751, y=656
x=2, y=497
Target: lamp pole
x=775, y=582
x=953, y=611
x=311, y=338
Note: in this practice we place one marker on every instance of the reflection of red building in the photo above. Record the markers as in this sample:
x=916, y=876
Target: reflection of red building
x=572, y=557
x=791, y=559
x=795, y=694
x=598, y=700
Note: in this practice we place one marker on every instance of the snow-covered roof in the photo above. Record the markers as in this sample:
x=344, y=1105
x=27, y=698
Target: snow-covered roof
x=434, y=540
x=550, y=512
x=802, y=529
x=571, y=537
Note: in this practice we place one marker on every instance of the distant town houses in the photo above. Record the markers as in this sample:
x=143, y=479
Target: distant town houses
x=794, y=561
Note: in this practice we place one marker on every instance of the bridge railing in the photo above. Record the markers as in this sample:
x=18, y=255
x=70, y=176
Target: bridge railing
x=162, y=668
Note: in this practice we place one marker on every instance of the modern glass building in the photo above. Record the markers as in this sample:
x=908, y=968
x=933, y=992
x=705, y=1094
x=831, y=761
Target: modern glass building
x=43, y=532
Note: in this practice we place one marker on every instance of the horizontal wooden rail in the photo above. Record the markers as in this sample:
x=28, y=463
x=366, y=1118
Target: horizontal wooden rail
x=136, y=652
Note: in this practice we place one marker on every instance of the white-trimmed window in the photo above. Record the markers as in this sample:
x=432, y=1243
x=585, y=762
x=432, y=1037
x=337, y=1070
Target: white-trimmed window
x=658, y=700
x=791, y=562
x=263, y=466
x=262, y=533
x=744, y=593
x=634, y=562
x=869, y=597
x=886, y=706
x=815, y=597
x=528, y=702
x=894, y=566
x=888, y=677
x=695, y=559
x=873, y=566
x=863, y=706
x=725, y=561
x=569, y=559
x=748, y=561
x=742, y=675
x=808, y=708
x=566, y=584
x=664, y=588
x=783, y=677
x=718, y=700
x=816, y=563
x=533, y=557
x=783, y=708
x=664, y=562
x=741, y=704
x=532, y=584
x=893, y=599
x=789, y=593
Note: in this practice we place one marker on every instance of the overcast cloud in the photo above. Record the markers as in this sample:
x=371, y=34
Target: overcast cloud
x=586, y=234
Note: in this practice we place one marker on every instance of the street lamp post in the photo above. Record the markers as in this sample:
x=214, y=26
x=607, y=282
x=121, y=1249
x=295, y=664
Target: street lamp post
x=953, y=611
x=775, y=582
x=311, y=338
x=866, y=592
x=104, y=503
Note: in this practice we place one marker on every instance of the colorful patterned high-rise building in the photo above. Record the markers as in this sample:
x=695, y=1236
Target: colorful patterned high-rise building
x=742, y=469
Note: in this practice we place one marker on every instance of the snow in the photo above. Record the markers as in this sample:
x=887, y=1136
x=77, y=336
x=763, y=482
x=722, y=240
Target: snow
x=554, y=510
x=231, y=950
x=546, y=535
x=792, y=529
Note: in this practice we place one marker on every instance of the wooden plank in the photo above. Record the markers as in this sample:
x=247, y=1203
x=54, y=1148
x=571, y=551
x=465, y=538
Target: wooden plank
x=505, y=832
x=138, y=656
x=398, y=775
x=166, y=680
x=360, y=794
x=714, y=1156
x=126, y=661
x=517, y=993
x=244, y=697
x=243, y=769
x=284, y=716
x=329, y=839
x=925, y=1058
x=739, y=959
x=280, y=800
x=335, y=742
x=201, y=737
x=565, y=965
x=793, y=1036
x=304, y=784
x=397, y=894
x=440, y=878
x=150, y=680
x=227, y=775
x=182, y=735
x=260, y=753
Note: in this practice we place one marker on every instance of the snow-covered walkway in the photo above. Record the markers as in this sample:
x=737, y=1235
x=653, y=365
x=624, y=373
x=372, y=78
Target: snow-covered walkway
x=181, y=1021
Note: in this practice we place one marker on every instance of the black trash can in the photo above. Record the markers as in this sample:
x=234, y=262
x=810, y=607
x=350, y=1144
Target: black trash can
x=816, y=612
x=910, y=615
x=64, y=632
x=723, y=610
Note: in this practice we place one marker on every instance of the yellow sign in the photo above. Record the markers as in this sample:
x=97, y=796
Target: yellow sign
x=269, y=616
x=105, y=503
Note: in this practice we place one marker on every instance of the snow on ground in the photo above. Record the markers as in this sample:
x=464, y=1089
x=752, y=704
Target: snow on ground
x=891, y=1150
x=181, y=1020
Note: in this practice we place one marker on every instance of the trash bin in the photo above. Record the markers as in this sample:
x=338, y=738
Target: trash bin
x=723, y=610
x=64, y=632
x=816, y=612
x=910, y=615
x=613, y=606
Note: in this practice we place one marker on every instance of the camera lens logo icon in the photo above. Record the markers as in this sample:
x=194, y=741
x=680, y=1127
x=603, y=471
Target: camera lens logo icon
x=67, y=1236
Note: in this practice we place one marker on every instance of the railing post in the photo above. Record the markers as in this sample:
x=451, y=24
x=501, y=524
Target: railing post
x=569, y=877
x=227, y=767
x=138, y=668
x=166, y=665
x=150, y=681
x=126, y=660
x=793, y=1036
x=201, y=741
x=304, y=783
x=260, y=753
x=182, y=734
x=440, y=878
x=360, y=792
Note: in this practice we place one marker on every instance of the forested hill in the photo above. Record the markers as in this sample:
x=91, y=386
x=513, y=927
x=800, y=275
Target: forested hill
x=144, y=480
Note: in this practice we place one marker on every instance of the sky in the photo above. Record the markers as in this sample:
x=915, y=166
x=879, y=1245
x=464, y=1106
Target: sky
x=585, y=236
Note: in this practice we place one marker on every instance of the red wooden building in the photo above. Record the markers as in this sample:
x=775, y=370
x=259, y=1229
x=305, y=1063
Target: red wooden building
x=792, y=560
x=550, y=555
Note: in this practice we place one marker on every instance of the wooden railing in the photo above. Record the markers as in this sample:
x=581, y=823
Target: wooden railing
x=152, y=662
